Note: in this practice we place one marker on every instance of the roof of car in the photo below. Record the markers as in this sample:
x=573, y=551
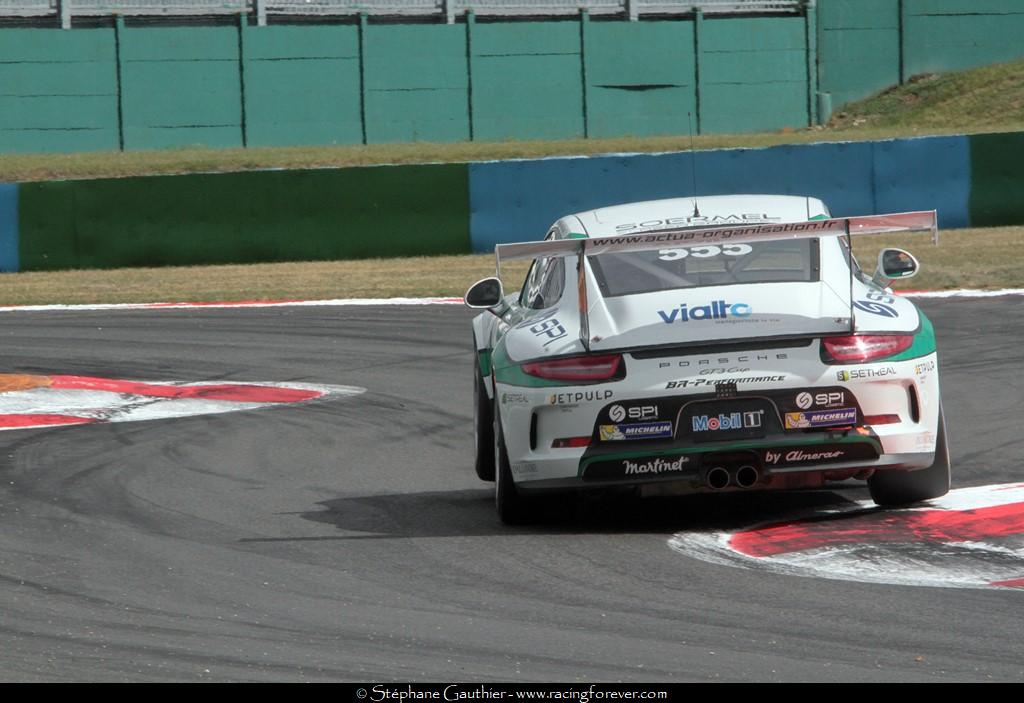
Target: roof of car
x=708, y=211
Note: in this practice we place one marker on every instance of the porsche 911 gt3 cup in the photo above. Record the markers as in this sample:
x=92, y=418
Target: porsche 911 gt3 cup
x=727, y=343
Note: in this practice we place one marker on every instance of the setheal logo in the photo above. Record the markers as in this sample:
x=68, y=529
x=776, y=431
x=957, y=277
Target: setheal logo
x=716, y=310
x=860, y=374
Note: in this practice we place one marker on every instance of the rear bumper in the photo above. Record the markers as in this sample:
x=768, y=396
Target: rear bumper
x=691, y=474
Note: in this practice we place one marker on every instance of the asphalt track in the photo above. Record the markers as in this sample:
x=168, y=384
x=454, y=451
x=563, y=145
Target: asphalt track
x=349, y=540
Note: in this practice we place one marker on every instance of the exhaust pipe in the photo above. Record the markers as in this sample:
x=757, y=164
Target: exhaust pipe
x=717, y=478
x=747, y=476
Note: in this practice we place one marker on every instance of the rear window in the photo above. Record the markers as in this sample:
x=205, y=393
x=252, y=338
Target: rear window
x=631, y=273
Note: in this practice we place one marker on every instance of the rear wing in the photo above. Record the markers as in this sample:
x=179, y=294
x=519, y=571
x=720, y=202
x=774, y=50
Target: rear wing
x=924, y=221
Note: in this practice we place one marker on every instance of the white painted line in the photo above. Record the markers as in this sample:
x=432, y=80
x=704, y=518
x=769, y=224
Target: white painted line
x=343, y=302
x=339, y=302
x=964, y=293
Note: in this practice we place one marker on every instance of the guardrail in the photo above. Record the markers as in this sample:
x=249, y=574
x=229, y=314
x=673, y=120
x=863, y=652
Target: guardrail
x=448, y=10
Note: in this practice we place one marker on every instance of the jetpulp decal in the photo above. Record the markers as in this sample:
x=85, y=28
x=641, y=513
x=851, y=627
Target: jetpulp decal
x=30, y=401
x=970, y=538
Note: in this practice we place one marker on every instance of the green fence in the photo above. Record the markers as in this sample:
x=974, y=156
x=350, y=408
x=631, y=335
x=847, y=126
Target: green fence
x=240, y=85
x=142, y=87
x=58, y=90
x=867, y=45
x=302, y=85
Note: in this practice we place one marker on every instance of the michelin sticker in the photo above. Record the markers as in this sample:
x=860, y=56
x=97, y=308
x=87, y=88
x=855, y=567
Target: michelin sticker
x=638, y=430
x=821, y=418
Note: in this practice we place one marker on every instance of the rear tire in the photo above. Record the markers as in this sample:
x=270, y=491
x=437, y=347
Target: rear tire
x=483, y=427
x=905, y=487
x=513, y=507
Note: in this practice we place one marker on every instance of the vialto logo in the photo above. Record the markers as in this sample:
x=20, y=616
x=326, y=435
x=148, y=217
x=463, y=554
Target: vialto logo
x=716, y=310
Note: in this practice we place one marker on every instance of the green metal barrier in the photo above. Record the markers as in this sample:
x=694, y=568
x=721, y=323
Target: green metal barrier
x=651, y=89
x=58, y=90
x=302, y=85
x=858, y=48
x=245, y=217
x=527, y=80
x=997, y=179
x=143, y=87
x=416, y=83
x=180, y=86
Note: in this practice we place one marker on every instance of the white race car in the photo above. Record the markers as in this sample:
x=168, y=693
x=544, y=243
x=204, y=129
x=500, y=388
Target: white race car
x=722, y=343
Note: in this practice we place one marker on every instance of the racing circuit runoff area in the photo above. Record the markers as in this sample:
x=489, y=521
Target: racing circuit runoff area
x=326, y=522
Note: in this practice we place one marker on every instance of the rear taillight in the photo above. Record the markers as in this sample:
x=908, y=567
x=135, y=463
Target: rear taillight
x=865, y=347
x=570, y=442
x=881, y=419
x=577, y=368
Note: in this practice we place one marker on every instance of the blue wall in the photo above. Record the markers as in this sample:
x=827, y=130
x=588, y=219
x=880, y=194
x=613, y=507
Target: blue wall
x=513, y=201
x=8, y=227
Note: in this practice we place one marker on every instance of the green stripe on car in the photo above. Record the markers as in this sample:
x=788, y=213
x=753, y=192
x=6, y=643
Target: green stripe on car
x=923, y=345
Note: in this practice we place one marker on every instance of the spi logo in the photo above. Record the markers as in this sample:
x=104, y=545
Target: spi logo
x=717, y=310
x=617, y=413
x=876, y=308
x=807, y=400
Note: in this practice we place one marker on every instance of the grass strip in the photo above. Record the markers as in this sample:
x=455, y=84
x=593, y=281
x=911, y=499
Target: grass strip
x=969, y=258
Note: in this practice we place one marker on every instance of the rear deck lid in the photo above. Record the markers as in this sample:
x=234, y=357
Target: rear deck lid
x=722, y=292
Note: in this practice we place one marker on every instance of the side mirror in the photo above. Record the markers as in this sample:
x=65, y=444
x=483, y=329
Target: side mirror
x=485, y=294
x=894, y=264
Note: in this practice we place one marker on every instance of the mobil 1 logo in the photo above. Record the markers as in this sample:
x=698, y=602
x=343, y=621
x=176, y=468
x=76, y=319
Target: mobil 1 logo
x=727, y=420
